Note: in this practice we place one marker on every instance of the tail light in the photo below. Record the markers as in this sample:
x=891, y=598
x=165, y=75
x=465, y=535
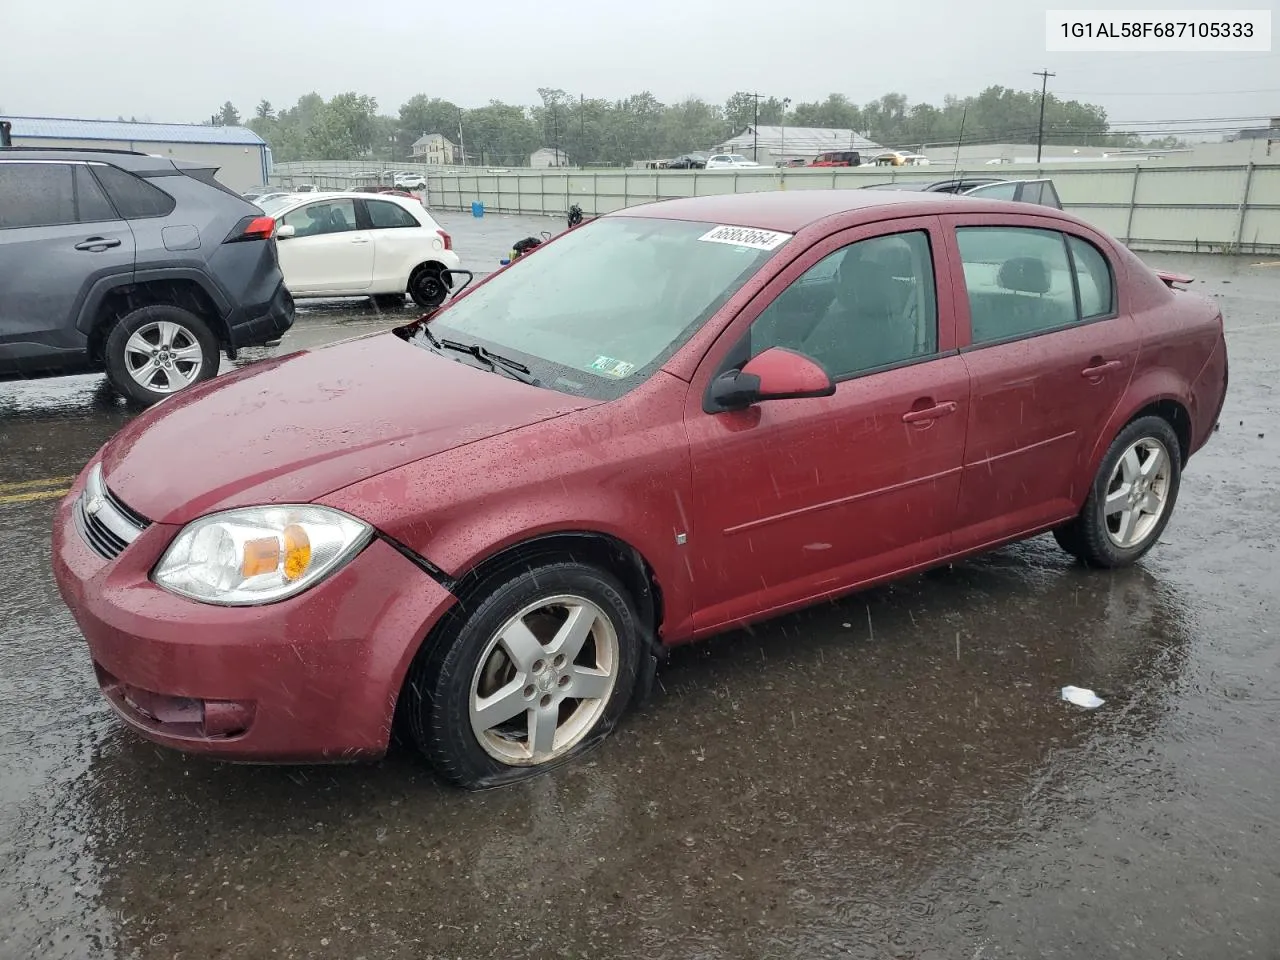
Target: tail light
x=252, y=228
x=448, y=240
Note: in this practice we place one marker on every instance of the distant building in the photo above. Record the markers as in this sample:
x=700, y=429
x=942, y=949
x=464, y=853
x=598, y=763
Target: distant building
x=776, y=144
x=548, y=157
x=1271, y=132
x=437, y=149
x=242, y=157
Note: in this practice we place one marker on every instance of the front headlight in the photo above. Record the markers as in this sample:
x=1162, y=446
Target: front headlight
x=259, y=554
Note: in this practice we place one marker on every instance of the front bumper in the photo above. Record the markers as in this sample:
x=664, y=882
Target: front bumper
x=311, y=679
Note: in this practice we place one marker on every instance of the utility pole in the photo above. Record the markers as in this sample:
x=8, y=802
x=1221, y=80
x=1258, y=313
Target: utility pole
x=755, y=129
x=1044, y=75
x=462, y=144
x=555, y=126
x=582, y=128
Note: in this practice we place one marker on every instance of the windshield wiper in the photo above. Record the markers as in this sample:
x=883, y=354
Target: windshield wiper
x=496, y=361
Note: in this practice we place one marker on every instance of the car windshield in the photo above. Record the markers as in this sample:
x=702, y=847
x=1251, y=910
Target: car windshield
x=595, y=312
x=738, y=158
x=273, y=204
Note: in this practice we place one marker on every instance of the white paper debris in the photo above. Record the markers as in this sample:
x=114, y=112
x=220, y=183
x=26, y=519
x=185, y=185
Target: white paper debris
x=1082, y=697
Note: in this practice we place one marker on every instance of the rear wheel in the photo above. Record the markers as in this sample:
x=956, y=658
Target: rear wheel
x=1132, y=496
x=428, y=286
x=543, y=666
x=156, y=351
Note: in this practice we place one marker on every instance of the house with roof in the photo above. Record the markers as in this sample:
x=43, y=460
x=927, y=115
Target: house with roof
x=242, y=157
x=436, y=148
x=778, y=143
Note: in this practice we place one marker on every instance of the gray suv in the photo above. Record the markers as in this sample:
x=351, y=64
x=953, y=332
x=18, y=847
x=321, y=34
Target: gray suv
x=141, y=266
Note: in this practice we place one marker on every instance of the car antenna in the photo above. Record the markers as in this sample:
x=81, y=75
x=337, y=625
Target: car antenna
x=955, y=169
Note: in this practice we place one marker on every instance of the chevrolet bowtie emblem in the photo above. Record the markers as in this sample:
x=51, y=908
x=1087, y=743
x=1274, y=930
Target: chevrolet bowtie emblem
x=93, y=506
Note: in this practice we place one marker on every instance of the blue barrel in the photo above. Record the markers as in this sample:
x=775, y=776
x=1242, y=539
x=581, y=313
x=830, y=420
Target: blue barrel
x=477, y=208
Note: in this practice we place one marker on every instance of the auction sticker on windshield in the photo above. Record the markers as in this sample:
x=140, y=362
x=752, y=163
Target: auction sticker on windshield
x=611, y=367
x=745, y=237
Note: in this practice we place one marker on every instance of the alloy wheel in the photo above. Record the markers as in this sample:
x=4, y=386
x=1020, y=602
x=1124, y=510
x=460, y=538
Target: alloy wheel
x=163, y=356
x=1137, y=492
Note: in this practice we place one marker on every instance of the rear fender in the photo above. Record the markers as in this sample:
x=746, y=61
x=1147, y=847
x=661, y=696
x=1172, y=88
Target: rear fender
x=1151, y=386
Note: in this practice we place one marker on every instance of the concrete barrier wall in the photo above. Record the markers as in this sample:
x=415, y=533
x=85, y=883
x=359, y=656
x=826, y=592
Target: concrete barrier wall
x=1155, y=206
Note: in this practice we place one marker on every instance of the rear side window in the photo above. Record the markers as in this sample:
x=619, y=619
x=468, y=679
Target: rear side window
x=91, y=203
x=385, y=215
x=36, y=195
x=1093, y=277
x=134, y=197
x=1019, y=281
x=996, y=191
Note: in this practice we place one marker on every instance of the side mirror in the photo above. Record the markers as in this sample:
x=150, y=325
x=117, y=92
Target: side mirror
x=285, y=231
x=776, y=374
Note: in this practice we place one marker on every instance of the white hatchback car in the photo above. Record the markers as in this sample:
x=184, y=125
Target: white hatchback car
x=729, y=161
x=360, y=244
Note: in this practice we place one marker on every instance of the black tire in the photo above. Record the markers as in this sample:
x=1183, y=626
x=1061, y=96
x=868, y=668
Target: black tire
x=1068, y=537
x=192, y=332
x=428, y=286
x=388, y=301
x=1097, y=548
x=436, y=702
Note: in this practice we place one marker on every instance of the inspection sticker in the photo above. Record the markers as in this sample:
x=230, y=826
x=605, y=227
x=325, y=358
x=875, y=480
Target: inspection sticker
x=611, y=367
x=746, y=237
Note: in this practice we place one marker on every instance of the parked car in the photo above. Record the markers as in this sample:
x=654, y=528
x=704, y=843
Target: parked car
x=375, y=188
x=900, y=158
x=687, y=161
x=792, y=162
x=411, y=181
x=143, y=267
x=1039, y=191
x=669, y=421
x=839, y=158
x=729, y=161
x=355, y=244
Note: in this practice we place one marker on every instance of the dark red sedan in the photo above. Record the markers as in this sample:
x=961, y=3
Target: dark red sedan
x=669, y=421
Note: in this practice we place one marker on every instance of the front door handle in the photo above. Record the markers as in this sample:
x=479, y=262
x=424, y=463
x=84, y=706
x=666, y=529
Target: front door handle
x=943, y=409
x=98, y=244
x=1098, y=368
x=359, y=239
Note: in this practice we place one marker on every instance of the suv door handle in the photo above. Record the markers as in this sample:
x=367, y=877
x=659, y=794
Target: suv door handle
x=1098, y=368
x=97, y=244
x=931, y=413
x=359, y=239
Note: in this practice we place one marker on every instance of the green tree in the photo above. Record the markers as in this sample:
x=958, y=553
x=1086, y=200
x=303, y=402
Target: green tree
x=228, y=115
x=420, y=115
x=265, y=111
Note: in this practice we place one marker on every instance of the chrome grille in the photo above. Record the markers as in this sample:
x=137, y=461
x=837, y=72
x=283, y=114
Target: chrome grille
x=106, y=524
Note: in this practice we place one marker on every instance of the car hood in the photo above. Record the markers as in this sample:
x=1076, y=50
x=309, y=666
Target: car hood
x=293, y=429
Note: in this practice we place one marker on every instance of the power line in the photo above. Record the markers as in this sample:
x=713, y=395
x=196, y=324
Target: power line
x=1160, y=93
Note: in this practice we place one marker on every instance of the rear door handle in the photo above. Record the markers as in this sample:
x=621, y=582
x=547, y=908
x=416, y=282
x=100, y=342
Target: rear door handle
x=1099, y=368
x=931, y=413
x=96, y=244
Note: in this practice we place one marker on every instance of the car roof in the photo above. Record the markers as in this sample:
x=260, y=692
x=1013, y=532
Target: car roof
x=790, y=211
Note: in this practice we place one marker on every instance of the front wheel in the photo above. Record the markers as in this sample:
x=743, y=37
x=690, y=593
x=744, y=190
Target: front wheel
x=156, y=351
x=544, y=665
x=1132, y=496
x=428, y=286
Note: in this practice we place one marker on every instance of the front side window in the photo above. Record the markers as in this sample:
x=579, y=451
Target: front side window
x=600, y=308
x=866, y=306
x=386, y=216
x=326, y=216
x=1019, y=281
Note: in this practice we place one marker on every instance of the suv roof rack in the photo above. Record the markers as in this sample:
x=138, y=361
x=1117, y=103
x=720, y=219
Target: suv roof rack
x=131, y=153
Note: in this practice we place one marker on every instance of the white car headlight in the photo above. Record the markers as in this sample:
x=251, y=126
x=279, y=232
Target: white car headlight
x=259, y=554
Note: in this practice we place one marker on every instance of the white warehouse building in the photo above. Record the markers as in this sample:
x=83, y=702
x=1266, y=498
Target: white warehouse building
x=242, y=157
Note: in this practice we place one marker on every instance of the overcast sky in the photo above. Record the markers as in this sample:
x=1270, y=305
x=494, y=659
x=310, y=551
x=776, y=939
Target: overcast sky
x=173, y=60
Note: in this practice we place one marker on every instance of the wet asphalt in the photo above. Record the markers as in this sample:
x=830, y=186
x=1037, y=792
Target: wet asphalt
x=891, y=775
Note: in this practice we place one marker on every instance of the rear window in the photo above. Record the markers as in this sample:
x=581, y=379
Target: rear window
x=134, y=197
x=384, y=215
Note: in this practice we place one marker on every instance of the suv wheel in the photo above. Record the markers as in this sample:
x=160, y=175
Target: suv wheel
x=155, y=351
